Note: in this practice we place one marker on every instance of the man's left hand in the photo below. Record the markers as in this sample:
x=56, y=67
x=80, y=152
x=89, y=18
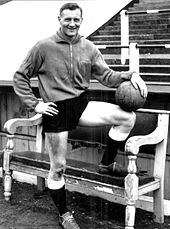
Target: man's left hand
x=138, y=82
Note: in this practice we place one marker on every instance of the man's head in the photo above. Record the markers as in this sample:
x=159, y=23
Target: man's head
x=70, y=19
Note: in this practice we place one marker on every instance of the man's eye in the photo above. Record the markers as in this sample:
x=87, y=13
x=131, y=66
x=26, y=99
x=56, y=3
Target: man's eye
x=76, y=20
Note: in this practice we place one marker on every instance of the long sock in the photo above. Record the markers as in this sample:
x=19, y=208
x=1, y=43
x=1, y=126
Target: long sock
x=59, y=198
x=111, y=151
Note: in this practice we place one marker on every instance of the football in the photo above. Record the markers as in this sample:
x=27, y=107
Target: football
x=129, y=98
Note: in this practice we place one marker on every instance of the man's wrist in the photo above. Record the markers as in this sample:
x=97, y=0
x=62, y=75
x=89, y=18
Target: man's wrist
x=36, y=104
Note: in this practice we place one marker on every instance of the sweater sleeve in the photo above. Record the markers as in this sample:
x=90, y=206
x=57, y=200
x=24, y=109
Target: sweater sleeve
x=21, y=79
x=105, y=75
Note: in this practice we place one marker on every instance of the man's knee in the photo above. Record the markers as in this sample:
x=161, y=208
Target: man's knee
x=131, y=119
x=125, y=123
x=55, y=179
x=126, y=120
x=57, y=169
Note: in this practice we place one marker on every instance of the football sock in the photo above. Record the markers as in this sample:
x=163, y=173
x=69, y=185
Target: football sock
x=111, y=151
x=59, y=198
x=58, y=193
x=116, y=140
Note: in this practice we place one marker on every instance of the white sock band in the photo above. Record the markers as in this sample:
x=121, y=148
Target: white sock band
x=52, y=184
x=116, y=135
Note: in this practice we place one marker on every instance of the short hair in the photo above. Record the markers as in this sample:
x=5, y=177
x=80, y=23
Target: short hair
x=71, y=6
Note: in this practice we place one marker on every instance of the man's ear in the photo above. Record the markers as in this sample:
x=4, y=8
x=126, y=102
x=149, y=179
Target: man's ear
x=59, y=18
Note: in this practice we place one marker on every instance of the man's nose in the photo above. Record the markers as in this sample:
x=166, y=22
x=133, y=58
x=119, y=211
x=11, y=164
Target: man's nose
x=72, y=23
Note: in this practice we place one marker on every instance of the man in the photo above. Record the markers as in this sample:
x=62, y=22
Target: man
x=64, y=64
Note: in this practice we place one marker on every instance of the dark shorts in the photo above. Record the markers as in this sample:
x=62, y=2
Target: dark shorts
x=67, y=119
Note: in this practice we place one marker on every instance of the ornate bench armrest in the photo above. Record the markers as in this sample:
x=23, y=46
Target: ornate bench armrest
x=158, y=135
x=11, y=125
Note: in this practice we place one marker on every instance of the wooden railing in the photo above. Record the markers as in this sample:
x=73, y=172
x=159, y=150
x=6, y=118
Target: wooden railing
x=124, y=18
x=132, y=52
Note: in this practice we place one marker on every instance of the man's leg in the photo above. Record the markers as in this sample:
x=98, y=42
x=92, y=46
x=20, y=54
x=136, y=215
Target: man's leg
x=110, y=153
x=56, y=146
x=122, y=122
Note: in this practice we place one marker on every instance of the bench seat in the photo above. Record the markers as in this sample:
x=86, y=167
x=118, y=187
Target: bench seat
x=30, y=160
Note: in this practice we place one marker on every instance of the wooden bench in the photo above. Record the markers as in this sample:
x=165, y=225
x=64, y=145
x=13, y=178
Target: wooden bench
x=84, y=177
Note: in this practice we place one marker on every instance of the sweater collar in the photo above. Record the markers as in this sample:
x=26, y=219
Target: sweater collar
x=61, y=37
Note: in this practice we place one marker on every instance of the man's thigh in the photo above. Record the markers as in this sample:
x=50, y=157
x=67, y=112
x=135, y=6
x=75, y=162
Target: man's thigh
x=102, y=113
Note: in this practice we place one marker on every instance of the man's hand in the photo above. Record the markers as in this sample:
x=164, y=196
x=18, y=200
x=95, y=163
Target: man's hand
x=46, y=108
x=138, y=82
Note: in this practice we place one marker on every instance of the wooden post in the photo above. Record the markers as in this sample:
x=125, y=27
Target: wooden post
x=124, y=20
x=39, y=148
x=134, y=57
x=160, y=155
x=6, y=166
x=39, y=138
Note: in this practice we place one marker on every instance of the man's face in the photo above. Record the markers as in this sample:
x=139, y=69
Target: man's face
x=70, y=21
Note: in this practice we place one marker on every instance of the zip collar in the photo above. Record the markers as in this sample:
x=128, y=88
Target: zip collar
x=61, y=37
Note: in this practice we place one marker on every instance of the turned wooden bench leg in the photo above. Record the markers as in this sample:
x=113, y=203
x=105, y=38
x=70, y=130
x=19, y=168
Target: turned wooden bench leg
x=130, y=216
x=7, y=179
x=7, y=185
x=131, y=193
x=7, y=176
